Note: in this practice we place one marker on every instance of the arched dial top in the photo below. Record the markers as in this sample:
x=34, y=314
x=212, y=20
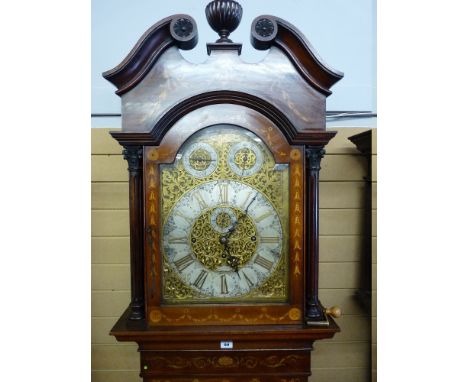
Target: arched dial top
x=224, y=219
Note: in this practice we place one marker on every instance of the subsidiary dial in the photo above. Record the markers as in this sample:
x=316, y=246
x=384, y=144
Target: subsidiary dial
x=200, y=160
x=245, y=158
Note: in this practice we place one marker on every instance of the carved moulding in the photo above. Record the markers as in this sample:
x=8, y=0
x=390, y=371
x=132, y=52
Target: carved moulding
x=268, y=31
x=179, y=30
x=293, y=135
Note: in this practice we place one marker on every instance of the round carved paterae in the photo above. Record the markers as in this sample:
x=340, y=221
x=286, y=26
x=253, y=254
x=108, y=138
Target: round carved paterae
x=264, y=27
x=263, y=32
x=183, y=27
x=184, y=30
x=224, y=16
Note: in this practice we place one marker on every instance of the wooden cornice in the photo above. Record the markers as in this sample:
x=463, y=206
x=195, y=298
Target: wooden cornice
x=308, y=137
x=179, y=30
x=268, y=31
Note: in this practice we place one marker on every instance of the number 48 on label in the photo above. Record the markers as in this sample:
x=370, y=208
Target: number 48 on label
x=227, y=344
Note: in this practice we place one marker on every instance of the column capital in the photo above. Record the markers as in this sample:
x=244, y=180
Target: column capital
x=314, y=155
x=133, y=155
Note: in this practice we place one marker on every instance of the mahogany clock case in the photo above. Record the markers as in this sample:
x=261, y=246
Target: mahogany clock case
x=165, y=102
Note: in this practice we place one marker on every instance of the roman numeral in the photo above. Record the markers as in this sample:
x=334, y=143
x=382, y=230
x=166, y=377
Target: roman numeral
x=186, y=218
x=200, y=279
x=200, y=200
x=178, y=240
x=263, y=217
x=223, y=193
x=183, y=262
x=249, y=282
x=264, y=263
x=269, y=239
x=224, y=286
x=244, y=203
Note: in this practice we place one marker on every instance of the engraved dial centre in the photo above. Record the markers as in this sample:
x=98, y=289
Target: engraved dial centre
x=223, y=231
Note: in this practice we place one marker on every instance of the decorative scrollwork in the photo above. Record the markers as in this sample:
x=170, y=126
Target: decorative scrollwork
x=275, y=361
x=187, y=318
x=205, y=238
x=174, y=288
x=200, y=159
x=177, y=180
x=226, y=362
x=275, y=285
x=245, y=159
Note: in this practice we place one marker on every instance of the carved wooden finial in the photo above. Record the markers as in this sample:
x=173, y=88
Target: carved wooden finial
x=224, y=16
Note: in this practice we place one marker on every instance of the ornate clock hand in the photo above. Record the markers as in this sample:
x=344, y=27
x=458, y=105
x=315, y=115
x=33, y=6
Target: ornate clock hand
x=248, y=206
x=232, y=261
x=244, y=214
x=244, y=159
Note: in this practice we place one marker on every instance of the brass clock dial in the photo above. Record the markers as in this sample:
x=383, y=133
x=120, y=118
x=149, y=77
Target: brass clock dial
x=223, y=238
x=224, y=221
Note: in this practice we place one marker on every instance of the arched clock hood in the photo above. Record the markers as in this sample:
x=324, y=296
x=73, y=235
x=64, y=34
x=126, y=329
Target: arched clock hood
x=158, y=86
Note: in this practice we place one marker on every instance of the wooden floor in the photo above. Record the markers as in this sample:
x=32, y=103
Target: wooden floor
x=349, y=357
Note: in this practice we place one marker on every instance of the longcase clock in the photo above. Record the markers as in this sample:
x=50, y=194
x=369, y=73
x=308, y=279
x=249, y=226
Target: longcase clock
x=224, y=160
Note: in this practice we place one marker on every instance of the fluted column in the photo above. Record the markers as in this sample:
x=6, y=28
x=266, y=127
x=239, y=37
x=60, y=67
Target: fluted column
x=314, y=310
x=134, y=155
